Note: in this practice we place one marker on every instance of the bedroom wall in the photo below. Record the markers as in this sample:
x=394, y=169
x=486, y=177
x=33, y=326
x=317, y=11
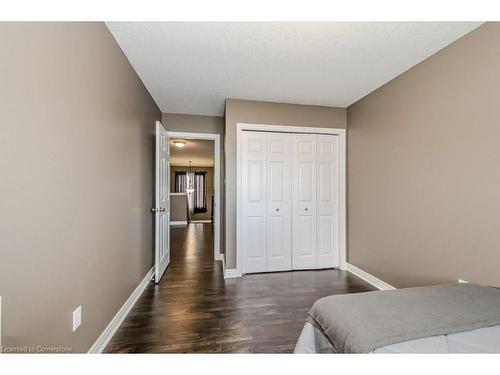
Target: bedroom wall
x=264, y=113
x=423, y=169
x=77, y=141
x=193, y=123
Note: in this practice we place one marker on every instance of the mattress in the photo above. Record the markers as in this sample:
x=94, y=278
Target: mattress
x=481, y=340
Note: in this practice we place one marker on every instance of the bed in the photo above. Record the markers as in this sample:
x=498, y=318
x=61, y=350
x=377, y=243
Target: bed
x=447, y=318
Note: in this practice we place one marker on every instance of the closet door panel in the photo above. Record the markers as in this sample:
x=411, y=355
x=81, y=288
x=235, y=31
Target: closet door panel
x=279, y=251
x=304, y=191
x=254, y=201
x=305, y=180
x=327, y=201
x=306, y=237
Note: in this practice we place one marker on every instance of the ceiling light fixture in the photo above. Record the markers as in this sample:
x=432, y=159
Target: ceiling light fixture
x=179, y=144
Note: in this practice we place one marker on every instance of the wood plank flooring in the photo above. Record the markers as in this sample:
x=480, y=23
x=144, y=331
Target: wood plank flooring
x=194, y=310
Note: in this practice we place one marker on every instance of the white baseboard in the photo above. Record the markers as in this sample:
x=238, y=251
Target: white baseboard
x=120, y=316
x=231, y=273
x=173, y=223
x=221, y=258
x=370, y=279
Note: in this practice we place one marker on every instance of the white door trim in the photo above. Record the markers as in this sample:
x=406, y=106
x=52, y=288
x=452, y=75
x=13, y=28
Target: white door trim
x=240, y=127
x=217, y=209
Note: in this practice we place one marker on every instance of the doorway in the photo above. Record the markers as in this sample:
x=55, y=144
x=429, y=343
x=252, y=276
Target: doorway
x=195, y=182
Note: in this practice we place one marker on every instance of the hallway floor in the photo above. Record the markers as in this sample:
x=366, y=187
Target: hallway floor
x=194, y=310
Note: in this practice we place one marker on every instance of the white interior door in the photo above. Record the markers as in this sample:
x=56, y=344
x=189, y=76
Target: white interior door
x=327, y=159
x=162, y=202
x=279, y=210
x=304, y=201
x=254, y=201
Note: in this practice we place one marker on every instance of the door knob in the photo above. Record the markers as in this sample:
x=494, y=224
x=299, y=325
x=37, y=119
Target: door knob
x=277, y=210
x=306, y=208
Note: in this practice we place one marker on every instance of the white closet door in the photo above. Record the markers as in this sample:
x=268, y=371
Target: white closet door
x=327, y=147
x=254, y=201
x=303, y=201
x=279, y=210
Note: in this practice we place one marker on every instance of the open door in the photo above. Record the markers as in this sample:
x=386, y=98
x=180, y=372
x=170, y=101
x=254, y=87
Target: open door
x=162, y=202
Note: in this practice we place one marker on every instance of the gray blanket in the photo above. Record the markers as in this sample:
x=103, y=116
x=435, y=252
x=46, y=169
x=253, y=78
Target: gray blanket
x=362, y=322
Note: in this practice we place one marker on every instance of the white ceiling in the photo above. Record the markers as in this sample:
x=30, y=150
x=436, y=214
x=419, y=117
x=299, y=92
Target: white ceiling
x=193, y=67
x=200, y=152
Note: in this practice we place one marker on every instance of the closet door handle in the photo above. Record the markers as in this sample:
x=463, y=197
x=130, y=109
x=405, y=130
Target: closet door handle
x=277, y=210
x=306, y=209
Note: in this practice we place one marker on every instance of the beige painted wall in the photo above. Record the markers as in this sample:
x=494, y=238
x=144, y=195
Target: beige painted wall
x=193, y=123
x=265, y=113
x=77, y=170
x=423, y=169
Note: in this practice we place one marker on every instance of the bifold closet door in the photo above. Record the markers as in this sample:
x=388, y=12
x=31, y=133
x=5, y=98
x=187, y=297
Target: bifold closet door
x=327, y=160
x=279, y=210
x=304, y=233
x=290, y=201
x=254, y=201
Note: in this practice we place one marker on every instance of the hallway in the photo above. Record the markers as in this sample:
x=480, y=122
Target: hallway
x=194, y=310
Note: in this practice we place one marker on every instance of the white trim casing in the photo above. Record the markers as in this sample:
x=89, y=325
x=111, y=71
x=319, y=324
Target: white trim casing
x=240, y=127
x=217, y=188
x=370, y=279
x=231, y=273
x=174, y=223
x=120, y=316
x=343, y=199
x=221, y=258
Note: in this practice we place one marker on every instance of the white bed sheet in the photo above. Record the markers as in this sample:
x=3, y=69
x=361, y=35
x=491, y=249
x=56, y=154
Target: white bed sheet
x=482, y=340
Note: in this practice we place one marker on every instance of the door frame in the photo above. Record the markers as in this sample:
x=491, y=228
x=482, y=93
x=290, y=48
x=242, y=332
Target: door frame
x=217, y=207
x=341, y=133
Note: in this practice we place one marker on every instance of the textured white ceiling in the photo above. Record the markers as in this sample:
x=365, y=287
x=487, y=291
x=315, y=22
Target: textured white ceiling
x=200, y=152
x=192, y=67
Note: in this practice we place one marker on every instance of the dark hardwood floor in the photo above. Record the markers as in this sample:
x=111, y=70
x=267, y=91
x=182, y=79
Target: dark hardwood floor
x=194, y=310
